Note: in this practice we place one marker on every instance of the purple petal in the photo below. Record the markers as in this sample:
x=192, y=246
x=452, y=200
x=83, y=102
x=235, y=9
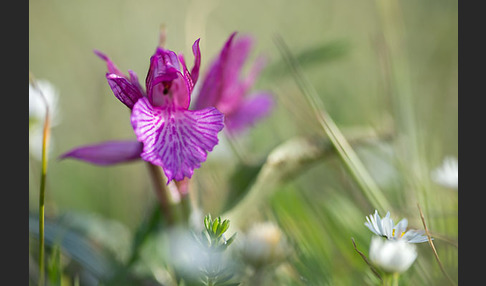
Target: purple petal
x=236, y=58
x=164, y=68
x=124, y=90
x=214, y=81
x=191, y=78
x=106, y=153
x=176, y=139
x=250, y=111
x=187, y=76
x=112, y=68
x=197, y=61
x=234, y=90
x=258, y=65
x=221, y=87
x=211, y=87
x=135, y=82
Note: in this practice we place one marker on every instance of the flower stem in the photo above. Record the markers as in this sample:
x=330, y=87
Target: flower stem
x=41, y=208
x=386, y=280
x=42, y=191
x=161, y=191
x=185, y=208
x=391, y=279
x=396, y=275
x=257, y=278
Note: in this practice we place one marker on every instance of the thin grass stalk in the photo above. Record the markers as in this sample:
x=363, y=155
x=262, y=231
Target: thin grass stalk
x=42, y=190
x=373, y=269
x=401, y=92
x=398, y=74
x=351, y=160
x=185, y=207
x=42, y=200
x=429, y=239
x=240, y=154
x=286, y=161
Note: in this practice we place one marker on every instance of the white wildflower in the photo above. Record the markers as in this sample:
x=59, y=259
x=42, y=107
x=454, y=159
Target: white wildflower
x=384, y=227
x=447, y=174
x=264, y=244
x=37, y=113
x=393, y=256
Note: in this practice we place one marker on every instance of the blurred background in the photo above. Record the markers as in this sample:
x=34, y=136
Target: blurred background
x=386, y=68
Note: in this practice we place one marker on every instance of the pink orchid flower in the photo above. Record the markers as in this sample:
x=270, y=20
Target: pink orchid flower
x=223, y=88
x=168, y=133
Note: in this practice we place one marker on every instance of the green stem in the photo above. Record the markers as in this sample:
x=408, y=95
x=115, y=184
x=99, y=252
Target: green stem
x=162, y=192
x=41, y=223
x=386, y=280
x=390, y=279
x=42, y=191
x=395, y=277
x=257, y=278
x=185, y=208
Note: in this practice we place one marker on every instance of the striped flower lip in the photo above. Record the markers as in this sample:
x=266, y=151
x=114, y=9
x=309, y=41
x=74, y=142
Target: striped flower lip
x=176, y=139
x=384, y=227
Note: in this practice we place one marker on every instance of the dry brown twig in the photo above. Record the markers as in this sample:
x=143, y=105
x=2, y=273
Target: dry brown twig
x=367, y=261
x=432, y=246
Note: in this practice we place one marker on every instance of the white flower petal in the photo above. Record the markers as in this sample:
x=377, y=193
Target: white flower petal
x=447, y=174
x=392, y=255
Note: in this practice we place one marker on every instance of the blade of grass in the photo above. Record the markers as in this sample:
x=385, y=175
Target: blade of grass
x=54, y=268
x=410, y=143
x=286, y=161
x=339, y=142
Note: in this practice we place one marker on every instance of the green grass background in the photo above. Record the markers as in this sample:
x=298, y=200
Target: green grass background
x=351, y=40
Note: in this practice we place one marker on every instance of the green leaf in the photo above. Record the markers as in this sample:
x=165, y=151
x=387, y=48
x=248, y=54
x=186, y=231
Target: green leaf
x=215, y=225
x=227, y=243
x=230, y=284
x=224, y=278
x=76, y=246
x=207, y=221
x=309, y=57
x=231, y=239
x=54, y=270
x=143, y=232
x=224, y=227
x=239, y=183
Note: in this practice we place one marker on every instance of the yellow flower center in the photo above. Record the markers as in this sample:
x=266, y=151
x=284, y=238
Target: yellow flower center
x=401, y=234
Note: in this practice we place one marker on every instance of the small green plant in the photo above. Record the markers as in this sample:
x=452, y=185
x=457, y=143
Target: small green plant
x=217, y=269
